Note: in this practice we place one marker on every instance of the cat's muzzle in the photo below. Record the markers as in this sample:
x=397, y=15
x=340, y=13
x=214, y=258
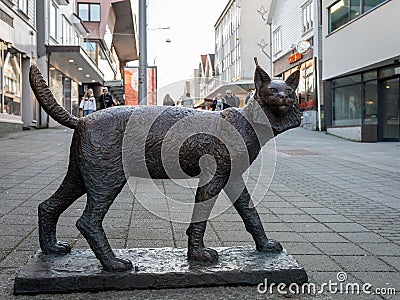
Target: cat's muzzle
x=280, y=106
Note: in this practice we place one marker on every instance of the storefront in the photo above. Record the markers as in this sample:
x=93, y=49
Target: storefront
x=10, y=85
x=306, y=91
x=365, y=106
x=65, y=90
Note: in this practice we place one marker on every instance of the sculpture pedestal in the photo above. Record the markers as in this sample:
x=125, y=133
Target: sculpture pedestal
x=155, y=268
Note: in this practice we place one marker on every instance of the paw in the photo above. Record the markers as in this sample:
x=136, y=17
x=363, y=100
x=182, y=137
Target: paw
x=59, y=248
x=270, y=246
x=116, y=265
x=203, y=255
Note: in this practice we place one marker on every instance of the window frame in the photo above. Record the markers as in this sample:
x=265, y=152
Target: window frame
x=53, y=22
x=350, y=19
x=23, y=6
x=277, y=40
x=89, y=6
x=308, y=16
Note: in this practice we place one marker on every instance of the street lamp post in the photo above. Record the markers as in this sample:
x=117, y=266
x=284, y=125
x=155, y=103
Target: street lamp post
x=142, y=52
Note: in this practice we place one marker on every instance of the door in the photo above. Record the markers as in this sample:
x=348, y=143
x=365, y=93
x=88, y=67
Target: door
x=390, y=109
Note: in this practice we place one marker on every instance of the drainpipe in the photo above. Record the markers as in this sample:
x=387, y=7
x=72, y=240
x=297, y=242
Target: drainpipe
x=317, y=39
x=142, y=52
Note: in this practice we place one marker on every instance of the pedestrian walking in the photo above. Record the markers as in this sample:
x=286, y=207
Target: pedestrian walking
x=230, y=99
x=88, y=103
x=105, y=99
x=218, y=103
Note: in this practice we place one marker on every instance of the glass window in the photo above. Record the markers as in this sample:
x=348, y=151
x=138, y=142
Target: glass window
x=277, y=40
x=371, y=102
x=95, y=12
x=370, y=75
x=344, y=11
x=53, y=21
x=308, y=16
x=347, y=107
x=89, y=12
x=83, y=11
x=338, y=15
x=91, y=50
x=370, y=4
x=388, y=72
x=347, y=80
x=12, y=84
x=355, y=9
x=23, y=6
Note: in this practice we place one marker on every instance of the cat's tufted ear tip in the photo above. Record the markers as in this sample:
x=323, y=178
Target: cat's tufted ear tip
x=256, y=61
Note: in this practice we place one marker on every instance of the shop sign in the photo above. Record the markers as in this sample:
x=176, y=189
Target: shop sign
x=295, y=57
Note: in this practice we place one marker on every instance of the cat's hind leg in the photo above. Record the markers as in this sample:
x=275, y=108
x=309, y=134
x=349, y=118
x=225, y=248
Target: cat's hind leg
x=50, y=210
x=99, y=199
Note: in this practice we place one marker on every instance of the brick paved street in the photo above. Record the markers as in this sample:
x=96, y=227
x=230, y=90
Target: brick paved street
x=334, y=204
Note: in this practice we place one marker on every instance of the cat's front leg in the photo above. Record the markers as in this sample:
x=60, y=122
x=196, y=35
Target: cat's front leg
x=238, y=194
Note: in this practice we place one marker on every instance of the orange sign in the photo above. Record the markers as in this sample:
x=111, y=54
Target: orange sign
x=131, y=85
x=295, y=57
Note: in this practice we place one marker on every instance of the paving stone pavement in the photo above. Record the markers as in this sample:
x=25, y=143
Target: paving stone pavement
x=334, y=204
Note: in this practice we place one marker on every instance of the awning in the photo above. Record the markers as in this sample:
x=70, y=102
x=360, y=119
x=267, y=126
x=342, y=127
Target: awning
x=116, y=89
x=124, y=35
x=75, y=63
x=239, y=88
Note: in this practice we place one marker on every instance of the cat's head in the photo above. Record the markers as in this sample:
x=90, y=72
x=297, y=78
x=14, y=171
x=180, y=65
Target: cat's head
x=278, y=100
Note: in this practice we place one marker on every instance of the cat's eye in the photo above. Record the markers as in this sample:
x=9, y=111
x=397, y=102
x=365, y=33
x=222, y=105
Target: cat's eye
x=289, y=91
x=273, y=90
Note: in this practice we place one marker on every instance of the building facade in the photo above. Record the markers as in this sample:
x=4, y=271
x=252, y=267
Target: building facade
x=241, y=34
x=18, y=48
x=296, y=44
x=76, y=45
x=362, y=69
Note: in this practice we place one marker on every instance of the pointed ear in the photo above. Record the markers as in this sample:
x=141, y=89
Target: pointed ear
x=293, y=80
x=260, y=76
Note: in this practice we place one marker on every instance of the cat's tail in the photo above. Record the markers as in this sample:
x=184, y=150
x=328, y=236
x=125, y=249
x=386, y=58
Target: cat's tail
x=46, y=99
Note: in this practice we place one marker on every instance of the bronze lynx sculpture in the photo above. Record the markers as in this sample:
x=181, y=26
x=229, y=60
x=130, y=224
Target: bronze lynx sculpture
x=96, y=162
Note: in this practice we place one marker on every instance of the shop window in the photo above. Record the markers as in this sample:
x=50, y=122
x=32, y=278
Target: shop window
x=56, y=85
x=308, y=16
x=371, y=102
x=305, y=90
x=89, y=12
x=347, y=80
x=390, y=71
x=12, y=84
x=355, y=99
x=344, y=11
x=347, y=107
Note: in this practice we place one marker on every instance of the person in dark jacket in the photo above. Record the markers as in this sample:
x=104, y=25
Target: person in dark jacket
x=105, y=99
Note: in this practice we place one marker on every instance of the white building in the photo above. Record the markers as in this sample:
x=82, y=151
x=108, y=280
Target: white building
x=17, y=50
x=296, y=44
x=241, y=34
x=361, y=47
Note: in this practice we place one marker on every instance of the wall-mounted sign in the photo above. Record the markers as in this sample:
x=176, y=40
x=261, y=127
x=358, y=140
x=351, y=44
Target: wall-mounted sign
x=303, y=47
x=295, y=57
x=131, y=85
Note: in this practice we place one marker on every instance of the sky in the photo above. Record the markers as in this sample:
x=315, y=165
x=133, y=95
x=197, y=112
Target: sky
x=191, y=34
